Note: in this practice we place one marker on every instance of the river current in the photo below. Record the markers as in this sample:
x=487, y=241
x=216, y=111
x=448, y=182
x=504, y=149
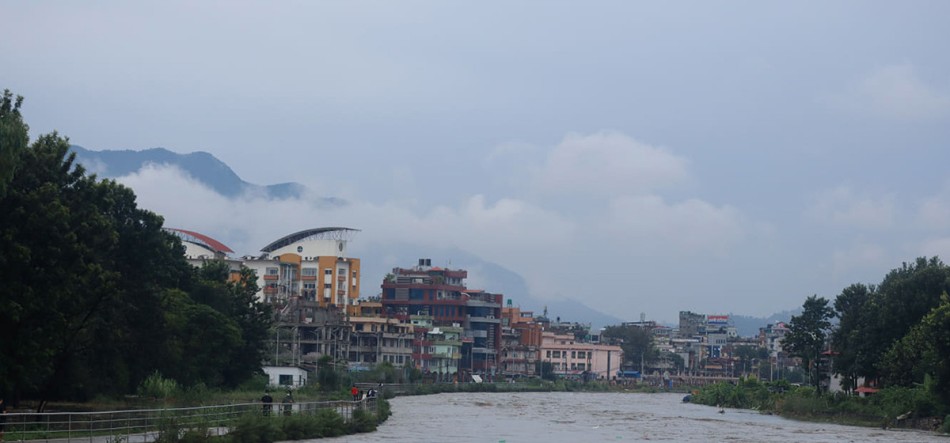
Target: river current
x=599, y=417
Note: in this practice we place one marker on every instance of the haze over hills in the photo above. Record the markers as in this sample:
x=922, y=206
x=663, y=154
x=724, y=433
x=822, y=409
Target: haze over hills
x=221, y=179
x=202, y=166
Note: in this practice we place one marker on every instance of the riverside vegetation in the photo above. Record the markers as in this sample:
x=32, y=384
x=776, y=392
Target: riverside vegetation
x=915, y=407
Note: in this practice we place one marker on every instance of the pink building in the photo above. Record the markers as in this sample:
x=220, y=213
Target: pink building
x=572, y=358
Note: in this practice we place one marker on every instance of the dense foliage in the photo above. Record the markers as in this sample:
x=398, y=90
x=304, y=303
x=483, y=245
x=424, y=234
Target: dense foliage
x=97, y=297
x=807, y=333
x=636, y=342
x=898, y=332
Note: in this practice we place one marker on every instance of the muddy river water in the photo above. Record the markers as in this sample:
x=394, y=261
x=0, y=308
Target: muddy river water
x=599, y=417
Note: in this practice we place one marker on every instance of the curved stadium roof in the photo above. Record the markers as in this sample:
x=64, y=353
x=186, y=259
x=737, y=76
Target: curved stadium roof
x=202, y=239
x=297, y=236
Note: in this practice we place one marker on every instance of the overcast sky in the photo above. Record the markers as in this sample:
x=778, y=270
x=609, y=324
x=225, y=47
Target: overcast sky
x=639, y=157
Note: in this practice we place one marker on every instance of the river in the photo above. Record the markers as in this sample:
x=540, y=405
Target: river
x=584, y=417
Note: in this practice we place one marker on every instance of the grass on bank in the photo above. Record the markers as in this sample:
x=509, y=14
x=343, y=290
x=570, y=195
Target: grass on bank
x=914, y=405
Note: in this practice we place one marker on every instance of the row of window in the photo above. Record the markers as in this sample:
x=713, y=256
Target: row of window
x=308, y=272
x=572, y=366
x=574, y=354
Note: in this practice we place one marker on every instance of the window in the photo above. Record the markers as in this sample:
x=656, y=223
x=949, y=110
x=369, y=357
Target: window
x=327, y=272
x=309, y=272
x=271, y=271
x=310, y=286
x=342, y=272
x=573, y=354
x=327, y=286
x=557, y=354
x=549, y=354
x=285, y=379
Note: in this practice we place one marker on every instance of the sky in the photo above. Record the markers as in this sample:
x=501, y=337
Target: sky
x=636, y=156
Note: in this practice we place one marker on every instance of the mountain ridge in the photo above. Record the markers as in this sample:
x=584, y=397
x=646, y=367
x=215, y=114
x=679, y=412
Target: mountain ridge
x=200, y=165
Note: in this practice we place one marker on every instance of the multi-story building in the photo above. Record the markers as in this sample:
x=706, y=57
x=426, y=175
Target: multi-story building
x=520, y=343
x=200, y=248
x=311, y=266
x=572, y=358
x=445, y=349
x=691, y=324
x=375, y=339
x=441, y=294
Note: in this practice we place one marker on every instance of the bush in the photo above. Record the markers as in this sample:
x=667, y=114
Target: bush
x=156, y=386
x=362, y=421
x=328, y=423
x=298, y=427
x=253, y=428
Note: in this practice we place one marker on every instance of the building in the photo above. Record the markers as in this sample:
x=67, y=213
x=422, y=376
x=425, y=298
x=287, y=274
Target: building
x=285, y=376
x=691, y=324
x=520, y=343
x=425, y=291
x=445, y=350
x=200, y=248
x=576, y=359
x=311, y=266
x=375, y=339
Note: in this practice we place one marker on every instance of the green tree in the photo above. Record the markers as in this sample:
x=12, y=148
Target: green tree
x=13, y=137
x=233, y=294
x=852, y=307
x=749, y=358
x=923, y=352
x=96, y=295
x=903, y=298
x=807, y=333
x=637, y=344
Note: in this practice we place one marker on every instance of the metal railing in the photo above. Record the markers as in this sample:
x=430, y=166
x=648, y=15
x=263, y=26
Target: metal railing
x=146, y=425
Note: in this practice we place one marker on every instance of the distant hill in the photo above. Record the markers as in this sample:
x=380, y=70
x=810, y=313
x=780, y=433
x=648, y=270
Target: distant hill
x=201, y=166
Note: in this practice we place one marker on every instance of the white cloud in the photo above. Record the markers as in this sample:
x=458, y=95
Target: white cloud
x=939, y=247
x=934, y=211
x=894, y=91
x=841, y=206
x=607, y=164
x=582, y=254
x=860, y=255
x=692, y=226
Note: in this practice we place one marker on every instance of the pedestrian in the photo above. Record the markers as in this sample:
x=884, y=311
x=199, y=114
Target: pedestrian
x=267, y=403
x=288, y=403
x=355, y=392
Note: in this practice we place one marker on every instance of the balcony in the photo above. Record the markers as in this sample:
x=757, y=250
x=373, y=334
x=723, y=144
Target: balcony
x=489, y=319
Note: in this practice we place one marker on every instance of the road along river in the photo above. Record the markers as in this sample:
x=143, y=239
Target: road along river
x=584, y=417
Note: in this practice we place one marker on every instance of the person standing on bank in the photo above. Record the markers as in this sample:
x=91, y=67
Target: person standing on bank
x=288, y=403
x=267, y=403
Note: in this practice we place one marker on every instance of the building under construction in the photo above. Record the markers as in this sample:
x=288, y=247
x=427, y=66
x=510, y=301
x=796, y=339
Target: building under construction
x=310, y=282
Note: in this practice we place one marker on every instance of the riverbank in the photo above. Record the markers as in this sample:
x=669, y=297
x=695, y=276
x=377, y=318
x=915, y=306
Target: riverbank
x=914, y=408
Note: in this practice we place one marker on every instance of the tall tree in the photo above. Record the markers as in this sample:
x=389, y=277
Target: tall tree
x=852, y=309
x=923, y=352
x=233, y=294
x=637, y=344
x=807, y=333
x=13, y=137
x=905, y=296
